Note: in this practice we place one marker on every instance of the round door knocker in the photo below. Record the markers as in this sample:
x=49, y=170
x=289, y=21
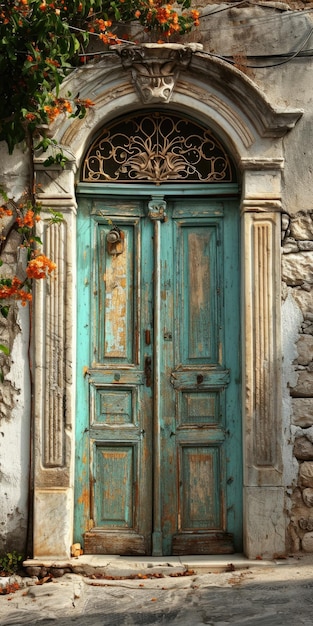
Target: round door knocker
x=115, y=241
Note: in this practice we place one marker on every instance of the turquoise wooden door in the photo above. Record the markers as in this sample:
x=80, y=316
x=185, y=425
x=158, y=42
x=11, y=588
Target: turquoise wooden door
x=158, y=411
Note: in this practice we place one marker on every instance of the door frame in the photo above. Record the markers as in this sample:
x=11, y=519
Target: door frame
x=83, y=521
x=252, y=130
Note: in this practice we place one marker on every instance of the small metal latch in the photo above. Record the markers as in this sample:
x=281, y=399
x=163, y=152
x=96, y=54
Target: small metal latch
x=148, y=337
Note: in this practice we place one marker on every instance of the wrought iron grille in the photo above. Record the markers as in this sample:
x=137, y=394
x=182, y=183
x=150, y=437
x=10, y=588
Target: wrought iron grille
x=157, y=148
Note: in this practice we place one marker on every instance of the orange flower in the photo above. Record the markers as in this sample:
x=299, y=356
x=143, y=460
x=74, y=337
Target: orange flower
x=67, y=106
x=53, y=62
x=104, y=38
x=40, y=267
x=103, y=24
x=24, y=296
x=16, y=282
x=30, y=116
x=13, y=291
x=89, y=103
x=5, y=212
x=27, y=220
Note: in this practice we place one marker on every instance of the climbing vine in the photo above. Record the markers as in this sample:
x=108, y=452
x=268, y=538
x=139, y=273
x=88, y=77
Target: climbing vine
x=34, y=264
x=41, y=41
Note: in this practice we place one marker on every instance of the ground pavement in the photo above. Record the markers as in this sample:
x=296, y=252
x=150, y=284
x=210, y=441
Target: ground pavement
x=271, y=594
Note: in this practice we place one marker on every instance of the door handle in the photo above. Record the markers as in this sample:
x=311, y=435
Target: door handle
x=148, y=370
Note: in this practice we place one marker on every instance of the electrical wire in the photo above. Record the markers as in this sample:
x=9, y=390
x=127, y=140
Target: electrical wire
x=255, y=19
x=284, y=62
x=285, y=13
x=289, y=56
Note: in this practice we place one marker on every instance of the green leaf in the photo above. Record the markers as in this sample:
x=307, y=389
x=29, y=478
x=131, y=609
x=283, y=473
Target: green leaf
x=4, y=195
x=4, y=310
x=4, y=349
x=49, y=161
x=44, y=144
x=56, y=216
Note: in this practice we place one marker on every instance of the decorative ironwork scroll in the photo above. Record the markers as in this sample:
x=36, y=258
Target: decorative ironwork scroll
x=157, y=148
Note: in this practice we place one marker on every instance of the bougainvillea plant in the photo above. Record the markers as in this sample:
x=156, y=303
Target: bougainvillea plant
x=23, y=217
x=35, y=265
x=42, y=40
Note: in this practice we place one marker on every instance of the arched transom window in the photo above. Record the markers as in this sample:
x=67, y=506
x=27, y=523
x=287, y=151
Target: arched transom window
x=157, y=147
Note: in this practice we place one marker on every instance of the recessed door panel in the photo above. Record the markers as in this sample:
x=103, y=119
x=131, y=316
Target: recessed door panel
x=115, y=291
x=115, y=485
x=200, y=481
x=197, y=281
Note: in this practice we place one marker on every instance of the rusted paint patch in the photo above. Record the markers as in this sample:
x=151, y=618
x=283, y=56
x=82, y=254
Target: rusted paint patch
x=84, y=499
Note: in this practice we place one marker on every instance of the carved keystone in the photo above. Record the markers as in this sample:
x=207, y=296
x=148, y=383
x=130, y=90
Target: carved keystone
x=155, y=68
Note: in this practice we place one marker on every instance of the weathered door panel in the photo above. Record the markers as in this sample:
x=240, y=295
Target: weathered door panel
x=158, y=392
x=196, y=372
x=117, y=434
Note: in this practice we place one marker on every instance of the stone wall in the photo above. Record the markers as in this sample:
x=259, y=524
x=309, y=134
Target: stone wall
x=15, y=396
x=298, y=277
x=14, y=419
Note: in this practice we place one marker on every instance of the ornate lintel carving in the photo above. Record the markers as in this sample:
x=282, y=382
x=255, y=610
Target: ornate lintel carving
x=155, y=68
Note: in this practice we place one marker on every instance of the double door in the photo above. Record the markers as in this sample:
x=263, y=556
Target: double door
x=158, y=437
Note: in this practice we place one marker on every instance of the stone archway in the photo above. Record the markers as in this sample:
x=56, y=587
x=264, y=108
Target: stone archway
x=252, y=130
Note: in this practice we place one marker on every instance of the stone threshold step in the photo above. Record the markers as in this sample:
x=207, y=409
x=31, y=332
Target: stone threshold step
x=114, y=565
